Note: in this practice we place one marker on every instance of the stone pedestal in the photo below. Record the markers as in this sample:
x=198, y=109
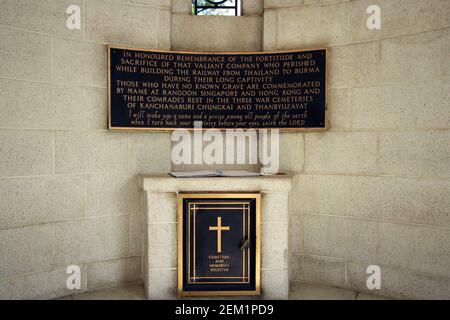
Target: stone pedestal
x=160, y=229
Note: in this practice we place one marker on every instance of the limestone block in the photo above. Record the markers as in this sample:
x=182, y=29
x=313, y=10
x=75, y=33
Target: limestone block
x=416, y=248
x=341, y=152
x=45, y=16
x=410, y=154
x=25, y=152
x=162, y=284
x=319, y=194
x=110, y=273
x=405, y=105
x=155, y=3
x=353, y=65
x=275, y=284
x=338, y=108
x=274, y=4
x=40, y=106
x=320, y=2
x=269, y=4
x=423, y=201
x=96, y=109
x=78, y=63
x=25, y=55
x=398, y=17
x=117, y=23
x=270, y=30
x=129, y=292
x=91, y=152
x=230, y=33
x=352, y=239
x=136, y=234
x=91, y=239
x=296, y=234
x=420, y=57
x=313, y=26
x=162, y=207
x=164, y=26
x=150, y=152
x=400, y=283
x=274, y=246
x=292, y=152
x=320, y=270
x=26, y=201
x=275, y=207
x=112, y=195
x=305, y=291
x=252, y=7
x=42, y=285
x=35, y=252
x=162, y=246
x=182, y=6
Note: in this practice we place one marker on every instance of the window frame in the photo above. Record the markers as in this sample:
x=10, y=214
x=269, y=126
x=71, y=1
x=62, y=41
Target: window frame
x=216, y=5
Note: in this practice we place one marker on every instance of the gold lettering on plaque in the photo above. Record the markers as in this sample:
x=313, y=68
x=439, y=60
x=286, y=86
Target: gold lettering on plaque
x=219, y=228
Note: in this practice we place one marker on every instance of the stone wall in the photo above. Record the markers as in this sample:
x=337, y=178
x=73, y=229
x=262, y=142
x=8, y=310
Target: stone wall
x=375, y=188
x=68, y=189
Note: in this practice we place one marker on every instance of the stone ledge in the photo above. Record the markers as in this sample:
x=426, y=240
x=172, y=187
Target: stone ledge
x=165, y=183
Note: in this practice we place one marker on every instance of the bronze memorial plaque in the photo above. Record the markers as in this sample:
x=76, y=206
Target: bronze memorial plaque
x=218, y=244
x=169, y=90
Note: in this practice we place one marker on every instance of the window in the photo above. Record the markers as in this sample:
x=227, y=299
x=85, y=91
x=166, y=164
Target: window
x=216, y=7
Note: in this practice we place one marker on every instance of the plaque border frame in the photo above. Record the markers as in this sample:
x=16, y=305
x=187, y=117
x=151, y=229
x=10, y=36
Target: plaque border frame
x=205, y=195
x=108, y=67
x=194, y=251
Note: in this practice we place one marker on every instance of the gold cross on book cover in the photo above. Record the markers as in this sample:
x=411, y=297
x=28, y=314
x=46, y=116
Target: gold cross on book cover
x=218, y=244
